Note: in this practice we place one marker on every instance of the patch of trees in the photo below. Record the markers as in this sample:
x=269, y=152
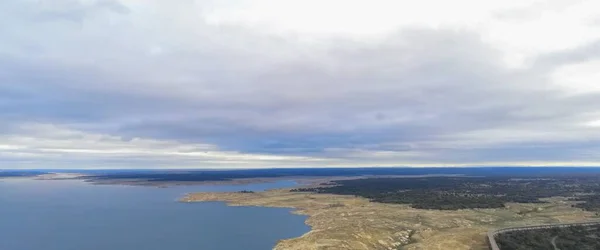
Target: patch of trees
x=588, y=202
x=575, y=237
x=451, y=193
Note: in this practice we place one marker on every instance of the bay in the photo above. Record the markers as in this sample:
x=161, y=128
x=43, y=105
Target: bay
x=73, y=215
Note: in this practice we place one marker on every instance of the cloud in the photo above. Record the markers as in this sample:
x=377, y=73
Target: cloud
x=282, y=83
x=59, y=148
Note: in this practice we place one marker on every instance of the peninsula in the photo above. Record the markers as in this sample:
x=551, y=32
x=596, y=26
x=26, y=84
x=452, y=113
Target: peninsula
x=355, y=222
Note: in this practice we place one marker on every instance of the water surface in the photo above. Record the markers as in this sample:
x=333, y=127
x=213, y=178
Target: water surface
x=72, y=215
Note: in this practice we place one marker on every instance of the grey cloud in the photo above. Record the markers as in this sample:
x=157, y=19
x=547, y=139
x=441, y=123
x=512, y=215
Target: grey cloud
x=415, y=93
x=550, y=61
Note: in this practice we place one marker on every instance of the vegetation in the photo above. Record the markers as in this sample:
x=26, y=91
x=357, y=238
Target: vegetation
x=575, y=237
x=451, y=193
x=589, y=202
x=451, y=190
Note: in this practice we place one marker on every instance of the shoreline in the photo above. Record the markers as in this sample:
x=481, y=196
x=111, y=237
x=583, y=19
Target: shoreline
x=353, y=223
x=292, y=210
x=344, y=222
x=301, y=180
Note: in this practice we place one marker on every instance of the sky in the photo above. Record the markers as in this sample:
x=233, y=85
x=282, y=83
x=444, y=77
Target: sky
x=94, y=84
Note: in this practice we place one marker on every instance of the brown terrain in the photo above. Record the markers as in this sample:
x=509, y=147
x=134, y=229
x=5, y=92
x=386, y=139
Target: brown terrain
x=346, y=222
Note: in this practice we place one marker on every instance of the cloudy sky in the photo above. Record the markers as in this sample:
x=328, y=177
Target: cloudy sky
x=287, y=83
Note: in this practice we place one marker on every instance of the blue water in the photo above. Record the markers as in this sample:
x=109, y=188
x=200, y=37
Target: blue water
x=72, y=215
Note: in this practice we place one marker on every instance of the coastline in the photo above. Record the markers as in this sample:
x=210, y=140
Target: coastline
x=240, y=181
x=349, y=223
x=345, y=222
x=301, y=180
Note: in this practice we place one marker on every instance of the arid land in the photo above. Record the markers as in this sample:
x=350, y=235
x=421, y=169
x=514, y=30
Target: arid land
x=348, y=222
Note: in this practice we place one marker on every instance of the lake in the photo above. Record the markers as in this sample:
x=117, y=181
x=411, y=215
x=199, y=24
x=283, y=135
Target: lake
x=73, y=215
